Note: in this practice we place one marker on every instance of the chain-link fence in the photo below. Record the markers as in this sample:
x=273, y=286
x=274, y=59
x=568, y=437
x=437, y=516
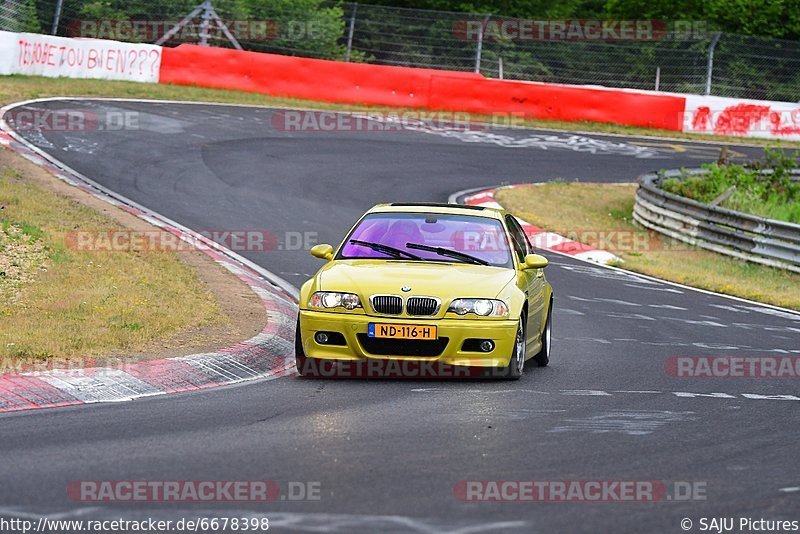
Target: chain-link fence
x=678, y=58
x=19, y=16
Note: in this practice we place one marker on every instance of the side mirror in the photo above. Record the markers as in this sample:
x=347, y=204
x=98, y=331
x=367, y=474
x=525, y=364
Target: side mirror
x=535, y=261
x=324, y=252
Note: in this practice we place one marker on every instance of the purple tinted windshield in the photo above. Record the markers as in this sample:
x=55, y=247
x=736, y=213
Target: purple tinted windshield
x=481, y=237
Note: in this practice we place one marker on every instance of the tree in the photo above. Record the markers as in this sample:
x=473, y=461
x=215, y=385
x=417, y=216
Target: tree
x=772, y=18
x=19, y=16
x=302, y=27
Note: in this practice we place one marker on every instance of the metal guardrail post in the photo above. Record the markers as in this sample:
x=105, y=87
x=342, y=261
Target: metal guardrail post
x=479, y=48
x=711, y=48
x=206, y=20
x=350, y=32
x=57, y=17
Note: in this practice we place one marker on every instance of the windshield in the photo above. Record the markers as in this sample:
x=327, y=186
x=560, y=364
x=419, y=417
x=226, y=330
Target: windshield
x=387, y=236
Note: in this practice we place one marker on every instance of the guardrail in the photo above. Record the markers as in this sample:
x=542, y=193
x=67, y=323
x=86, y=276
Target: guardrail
x=741, y=235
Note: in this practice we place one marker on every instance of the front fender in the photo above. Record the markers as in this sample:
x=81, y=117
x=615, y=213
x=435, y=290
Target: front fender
x=306, y=290
x=514, y=298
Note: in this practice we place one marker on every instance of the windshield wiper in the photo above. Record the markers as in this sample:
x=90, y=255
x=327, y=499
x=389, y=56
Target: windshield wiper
x=386, y=249
x=449, y=253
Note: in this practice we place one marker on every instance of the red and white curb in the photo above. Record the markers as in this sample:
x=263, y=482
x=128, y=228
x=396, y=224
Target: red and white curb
x=268, y=355
x=542, y=239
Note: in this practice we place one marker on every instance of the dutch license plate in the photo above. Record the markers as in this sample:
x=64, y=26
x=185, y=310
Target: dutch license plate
x=401, y=331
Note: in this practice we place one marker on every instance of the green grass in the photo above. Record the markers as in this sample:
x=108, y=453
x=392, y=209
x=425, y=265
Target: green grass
x=60, y=302
x=16, y=88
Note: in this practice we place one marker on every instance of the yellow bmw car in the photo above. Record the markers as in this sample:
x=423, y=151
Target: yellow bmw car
x=429, y=284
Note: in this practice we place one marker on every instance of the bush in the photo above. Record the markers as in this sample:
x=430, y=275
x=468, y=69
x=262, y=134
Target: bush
x=762, y=188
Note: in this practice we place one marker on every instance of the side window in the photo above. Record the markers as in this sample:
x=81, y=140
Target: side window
x=528, y=246
x=518, y=238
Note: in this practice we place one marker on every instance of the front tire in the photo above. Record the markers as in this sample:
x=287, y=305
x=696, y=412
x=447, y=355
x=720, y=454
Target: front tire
x=543, y=358
x=516, y=364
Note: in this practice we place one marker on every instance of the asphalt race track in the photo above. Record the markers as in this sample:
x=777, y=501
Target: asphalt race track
x=388, y=454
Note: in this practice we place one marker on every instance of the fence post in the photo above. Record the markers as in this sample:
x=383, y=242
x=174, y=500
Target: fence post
x=350, y=32
x=658, y=77
x=479, y=48
x=57, y=17
x=711, y=48
x=206, y=18
x=500, y=67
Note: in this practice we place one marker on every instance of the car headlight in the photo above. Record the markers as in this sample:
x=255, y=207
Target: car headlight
x=482, y=307
x=332, y=299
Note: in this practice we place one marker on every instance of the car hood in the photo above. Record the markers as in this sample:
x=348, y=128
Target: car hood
x=443, y=280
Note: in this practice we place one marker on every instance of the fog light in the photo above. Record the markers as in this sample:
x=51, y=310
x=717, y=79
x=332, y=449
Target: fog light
x=321, y=338
x=487, y=346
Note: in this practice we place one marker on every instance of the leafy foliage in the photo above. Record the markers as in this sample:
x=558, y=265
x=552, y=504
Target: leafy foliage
x=764, y=188
x=773, y=18
x=302, y=25
x=19, y=16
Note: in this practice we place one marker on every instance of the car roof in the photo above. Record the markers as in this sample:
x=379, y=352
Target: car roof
x=433, y=207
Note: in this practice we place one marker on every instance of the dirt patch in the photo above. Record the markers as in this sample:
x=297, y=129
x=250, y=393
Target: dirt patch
x=21, y=257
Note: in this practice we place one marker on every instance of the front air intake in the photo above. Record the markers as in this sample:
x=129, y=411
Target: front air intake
x=421, y=306
x=387, y=304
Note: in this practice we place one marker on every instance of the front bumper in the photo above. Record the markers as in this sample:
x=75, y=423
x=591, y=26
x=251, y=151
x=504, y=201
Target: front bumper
x=350, y=325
